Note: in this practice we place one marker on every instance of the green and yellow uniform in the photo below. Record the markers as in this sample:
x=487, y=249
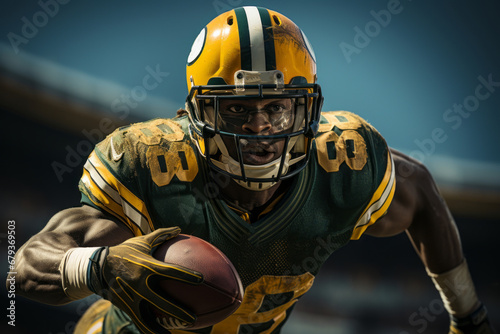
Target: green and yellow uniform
x=149, y=175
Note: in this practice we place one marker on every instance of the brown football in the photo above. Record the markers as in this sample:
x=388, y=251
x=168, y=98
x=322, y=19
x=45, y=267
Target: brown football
x=221, y=291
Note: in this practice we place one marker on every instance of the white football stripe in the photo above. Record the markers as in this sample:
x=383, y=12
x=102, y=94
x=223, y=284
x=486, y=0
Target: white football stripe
x=136, y=217
x=101, y=183
x=96, y=328
x=380, y=202
x=132, y=213
x=256, y=39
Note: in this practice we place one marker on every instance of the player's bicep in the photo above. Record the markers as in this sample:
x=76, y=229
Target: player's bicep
x=88, y=227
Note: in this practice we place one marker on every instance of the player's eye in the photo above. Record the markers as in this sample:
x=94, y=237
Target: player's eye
x=236, y=109
x=275, y=108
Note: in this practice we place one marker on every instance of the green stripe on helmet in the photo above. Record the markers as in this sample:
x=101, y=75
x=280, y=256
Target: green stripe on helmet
x=246, y=53
x=267, y=29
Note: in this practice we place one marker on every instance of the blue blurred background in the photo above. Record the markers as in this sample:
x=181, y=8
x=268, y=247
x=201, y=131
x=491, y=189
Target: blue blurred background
x=417, y=70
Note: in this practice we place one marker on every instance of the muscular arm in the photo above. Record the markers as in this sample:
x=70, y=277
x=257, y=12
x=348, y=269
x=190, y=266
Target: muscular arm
x=419, y=209
x=37, y=262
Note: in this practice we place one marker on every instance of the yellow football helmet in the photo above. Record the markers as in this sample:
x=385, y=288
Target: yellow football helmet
x=253, y=53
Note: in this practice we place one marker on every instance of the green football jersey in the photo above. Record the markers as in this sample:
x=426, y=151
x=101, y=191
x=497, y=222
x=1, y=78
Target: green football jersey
x=150, y=175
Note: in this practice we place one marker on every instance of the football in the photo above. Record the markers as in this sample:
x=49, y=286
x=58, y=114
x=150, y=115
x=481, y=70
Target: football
x=221, y=291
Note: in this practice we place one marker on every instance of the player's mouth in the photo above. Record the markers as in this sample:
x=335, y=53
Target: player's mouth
x=258, y=155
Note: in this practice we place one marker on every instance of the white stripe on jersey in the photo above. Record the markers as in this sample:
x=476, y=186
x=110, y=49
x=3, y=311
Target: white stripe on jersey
x=130, y=212
x=365, y=219
x=101, y=183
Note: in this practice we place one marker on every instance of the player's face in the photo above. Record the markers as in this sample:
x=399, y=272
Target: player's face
x=256, y=117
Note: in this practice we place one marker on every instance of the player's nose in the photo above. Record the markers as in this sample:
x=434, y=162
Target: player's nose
x=257, y=123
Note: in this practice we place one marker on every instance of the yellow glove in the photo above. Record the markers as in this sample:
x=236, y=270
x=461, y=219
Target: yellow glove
x=128, y=276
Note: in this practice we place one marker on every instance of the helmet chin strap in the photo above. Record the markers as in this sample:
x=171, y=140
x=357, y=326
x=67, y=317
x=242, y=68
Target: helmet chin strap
x=267, y=170
x=264, y=171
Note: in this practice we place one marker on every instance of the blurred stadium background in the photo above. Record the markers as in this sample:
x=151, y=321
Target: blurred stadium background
x=72, y=71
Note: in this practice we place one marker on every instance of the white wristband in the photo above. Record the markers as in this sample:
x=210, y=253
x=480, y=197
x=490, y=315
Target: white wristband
x=456, y=289
x=74, y=268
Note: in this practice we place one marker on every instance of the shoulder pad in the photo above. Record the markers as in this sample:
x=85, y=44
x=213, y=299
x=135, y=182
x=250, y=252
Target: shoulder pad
x=131, y=162
x=346, y=138
x=358, y=163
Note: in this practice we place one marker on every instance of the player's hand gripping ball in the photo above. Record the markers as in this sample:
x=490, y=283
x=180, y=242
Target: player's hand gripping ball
x=130, y=277
x=217, y=297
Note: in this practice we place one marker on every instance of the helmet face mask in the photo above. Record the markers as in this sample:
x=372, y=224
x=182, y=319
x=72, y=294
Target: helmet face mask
x=255, y=125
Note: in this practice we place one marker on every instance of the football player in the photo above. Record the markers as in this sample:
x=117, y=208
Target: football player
x=254, y=167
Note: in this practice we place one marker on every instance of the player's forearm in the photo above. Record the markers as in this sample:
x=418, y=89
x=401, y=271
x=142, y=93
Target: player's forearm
x=37, y=274
x=438, y=245
x=436, y=239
